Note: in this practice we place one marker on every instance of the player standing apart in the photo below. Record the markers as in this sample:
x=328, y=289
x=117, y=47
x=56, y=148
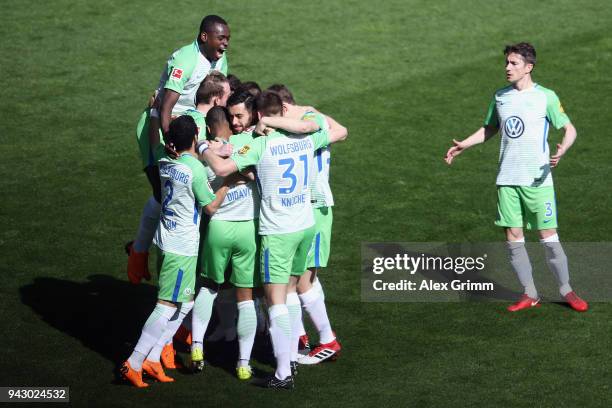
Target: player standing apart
x=523, y=112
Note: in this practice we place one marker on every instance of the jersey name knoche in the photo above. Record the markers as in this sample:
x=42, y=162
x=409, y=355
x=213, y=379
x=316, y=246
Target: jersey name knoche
x=284, y=164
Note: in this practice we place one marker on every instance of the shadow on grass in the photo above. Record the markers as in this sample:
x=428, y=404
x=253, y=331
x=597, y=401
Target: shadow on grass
x=107, y=315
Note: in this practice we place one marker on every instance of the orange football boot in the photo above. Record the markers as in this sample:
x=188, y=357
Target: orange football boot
x=131, y=375
x=167, y=357
x=155, y=370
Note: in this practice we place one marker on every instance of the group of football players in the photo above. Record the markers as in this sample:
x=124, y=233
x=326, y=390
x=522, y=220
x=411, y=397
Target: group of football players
x=257, y=164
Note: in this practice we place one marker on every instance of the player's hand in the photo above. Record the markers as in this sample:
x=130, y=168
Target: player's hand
x=261, y=129
x=152, y=100
x=224, y=150
x=171, y=151
x=219, y=148
x=554, y=159
x=454, y=151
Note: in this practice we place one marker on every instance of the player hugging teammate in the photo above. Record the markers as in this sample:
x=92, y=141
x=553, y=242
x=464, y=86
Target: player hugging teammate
x=257, y=170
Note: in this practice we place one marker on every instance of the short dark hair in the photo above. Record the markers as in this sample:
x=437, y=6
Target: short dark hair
x=208, y=22
x=215, y=118
x=284, y=93
x=182, y=132
x=242, y=97
x=234, y=82
x=269, y=104
x=210, y=87
x=524, y=49
x=250, y=86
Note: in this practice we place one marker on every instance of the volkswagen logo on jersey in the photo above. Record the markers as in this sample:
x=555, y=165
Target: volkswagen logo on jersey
x=514, y=127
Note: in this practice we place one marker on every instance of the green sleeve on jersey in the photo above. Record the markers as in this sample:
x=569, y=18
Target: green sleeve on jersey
x=321, y=137
x=250, y=154
x=201, y=189
x=317, y=117
x=241, y=139
x=492, y=119
x=200, y=121
x=222, y=65
x=180, y=68
x=554, y=111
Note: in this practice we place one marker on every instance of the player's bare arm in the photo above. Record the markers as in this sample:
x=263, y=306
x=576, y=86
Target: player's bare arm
x=480, y=136
x=169, y=100
x=222, y=167
x=337, y=132
x=285, y=123
x=211, y=208
x=566, y=143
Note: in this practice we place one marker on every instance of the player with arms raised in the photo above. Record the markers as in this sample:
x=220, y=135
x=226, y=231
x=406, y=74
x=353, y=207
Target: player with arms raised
x=523, y=112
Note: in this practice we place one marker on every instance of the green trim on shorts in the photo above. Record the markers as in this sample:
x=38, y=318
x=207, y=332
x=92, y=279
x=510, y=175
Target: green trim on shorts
x=318, y=257
x=283, y=255
x=235, y=241
x=176, y=277
x=530, y=207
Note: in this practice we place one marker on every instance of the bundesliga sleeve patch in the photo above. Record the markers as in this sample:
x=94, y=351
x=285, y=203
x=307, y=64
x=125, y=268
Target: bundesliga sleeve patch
x=244, y=149
x=176, y=73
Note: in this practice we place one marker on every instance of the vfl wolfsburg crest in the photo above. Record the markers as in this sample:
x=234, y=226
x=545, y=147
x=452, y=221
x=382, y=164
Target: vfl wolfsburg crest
x=514, y=127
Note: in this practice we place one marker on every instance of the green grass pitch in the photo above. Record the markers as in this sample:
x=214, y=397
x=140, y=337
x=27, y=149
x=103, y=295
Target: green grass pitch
x=405, y=77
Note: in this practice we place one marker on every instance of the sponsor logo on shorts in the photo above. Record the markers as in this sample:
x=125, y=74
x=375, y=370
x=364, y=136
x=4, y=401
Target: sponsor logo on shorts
x=176, y=73
x=244, y=149
x=187, y=291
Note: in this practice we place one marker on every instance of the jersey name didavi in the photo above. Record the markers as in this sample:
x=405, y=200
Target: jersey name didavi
x=241, y=201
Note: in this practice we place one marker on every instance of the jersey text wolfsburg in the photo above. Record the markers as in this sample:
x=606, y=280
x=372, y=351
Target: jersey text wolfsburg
x=242, y=201
x=284, y=165
x=523, y=118
x=185, y=191
x=184, y=72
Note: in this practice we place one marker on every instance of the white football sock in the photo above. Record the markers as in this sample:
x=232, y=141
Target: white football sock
x=280, y=332
x=295, y=315
x=171, y=328
x=152, y=331
x=317, y=285
x=247, y=327
x=557, y=262
x=315, y=307
x=519, y=259
x=148, y=225
x=202, y=310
